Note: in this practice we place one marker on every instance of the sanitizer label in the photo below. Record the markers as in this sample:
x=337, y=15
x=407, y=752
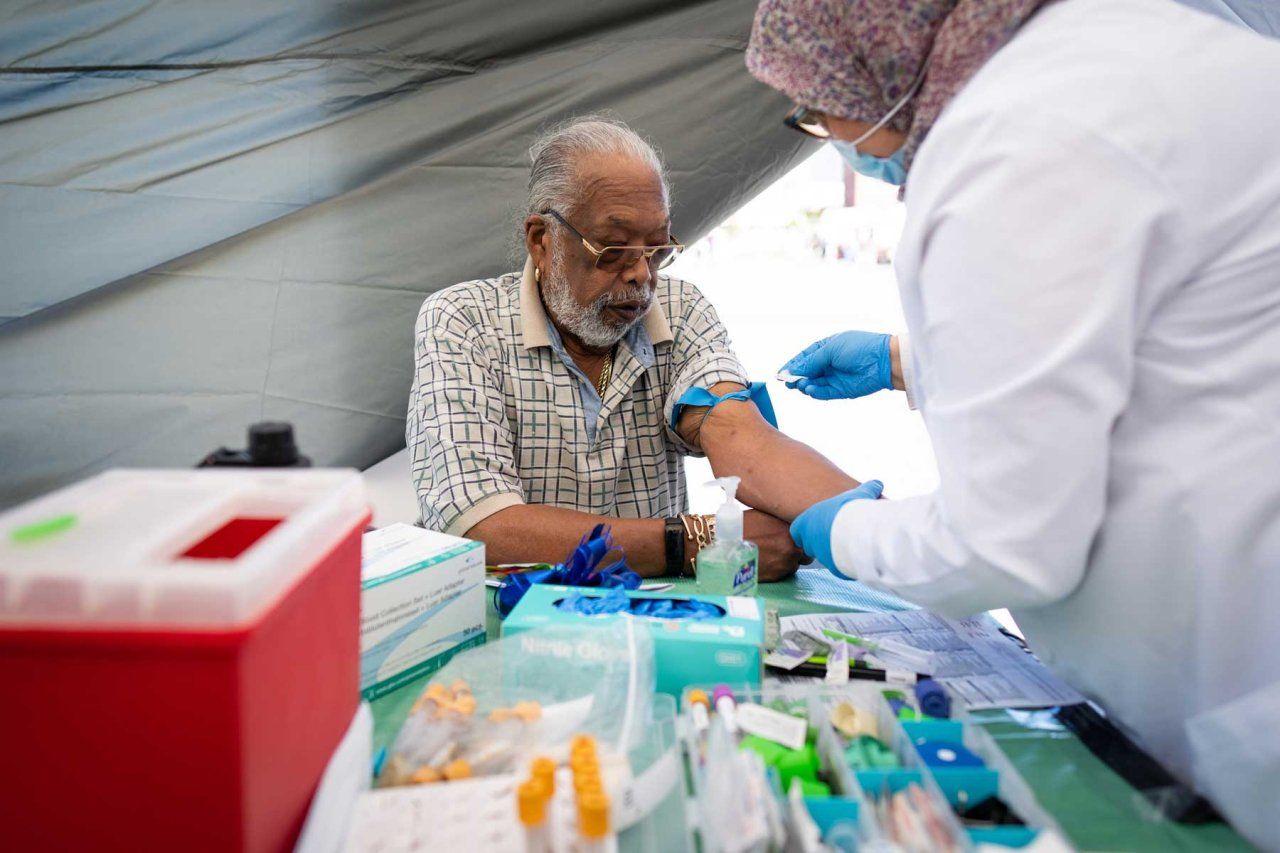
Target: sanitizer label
x=745, y=576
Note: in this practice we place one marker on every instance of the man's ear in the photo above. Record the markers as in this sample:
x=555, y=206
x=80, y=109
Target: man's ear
x=537, y=239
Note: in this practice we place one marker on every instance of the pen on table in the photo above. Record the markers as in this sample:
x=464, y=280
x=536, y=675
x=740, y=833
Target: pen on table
x=858, y=670
x=887, y=647
x=833, y=634
x=862, y=666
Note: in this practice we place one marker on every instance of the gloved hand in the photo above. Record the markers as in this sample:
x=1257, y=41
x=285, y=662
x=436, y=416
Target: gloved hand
x=843, y=366
x=812, y=528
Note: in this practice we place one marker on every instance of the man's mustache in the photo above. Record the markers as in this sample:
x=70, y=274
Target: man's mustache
x=641, y=295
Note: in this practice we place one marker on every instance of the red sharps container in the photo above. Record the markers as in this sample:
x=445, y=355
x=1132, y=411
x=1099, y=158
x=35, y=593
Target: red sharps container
x=179, y=657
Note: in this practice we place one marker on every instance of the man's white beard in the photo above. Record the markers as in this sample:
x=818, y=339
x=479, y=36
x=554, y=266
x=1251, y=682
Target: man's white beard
x=587, y=322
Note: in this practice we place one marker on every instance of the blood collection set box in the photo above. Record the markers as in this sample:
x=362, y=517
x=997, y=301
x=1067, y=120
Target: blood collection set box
x=180, y=656
x=422, y=602
x=720, y=643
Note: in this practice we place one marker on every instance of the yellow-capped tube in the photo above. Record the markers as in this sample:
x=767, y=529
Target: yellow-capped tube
x=593, y=819
x=532, y=799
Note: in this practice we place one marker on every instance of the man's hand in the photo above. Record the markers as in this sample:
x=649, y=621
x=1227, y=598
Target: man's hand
x=779, y=555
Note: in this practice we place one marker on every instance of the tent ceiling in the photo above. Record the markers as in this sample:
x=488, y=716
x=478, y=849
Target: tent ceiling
x=213, y=214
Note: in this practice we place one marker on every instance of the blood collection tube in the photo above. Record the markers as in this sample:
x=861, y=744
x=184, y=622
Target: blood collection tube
x=725, y=707
x=593, y=821
x=699, y=710
x=531, y=801
x=543, y=770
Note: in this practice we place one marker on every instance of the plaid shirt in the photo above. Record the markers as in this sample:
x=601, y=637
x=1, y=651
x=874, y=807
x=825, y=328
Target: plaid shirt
x=498, y=412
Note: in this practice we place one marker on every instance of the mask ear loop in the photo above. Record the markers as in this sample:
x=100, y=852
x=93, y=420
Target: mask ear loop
x=911, y=93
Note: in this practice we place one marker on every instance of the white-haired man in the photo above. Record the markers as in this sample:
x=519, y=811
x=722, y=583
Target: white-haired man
x=548, y=401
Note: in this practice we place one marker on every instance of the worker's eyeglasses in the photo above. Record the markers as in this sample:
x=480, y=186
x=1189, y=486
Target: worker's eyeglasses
x=808, y=122
x=619, y=258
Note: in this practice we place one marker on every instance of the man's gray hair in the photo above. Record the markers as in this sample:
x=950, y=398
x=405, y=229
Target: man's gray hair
x=553, y=180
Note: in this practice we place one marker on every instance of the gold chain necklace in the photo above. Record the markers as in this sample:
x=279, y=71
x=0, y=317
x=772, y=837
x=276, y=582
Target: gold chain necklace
x=606, y=373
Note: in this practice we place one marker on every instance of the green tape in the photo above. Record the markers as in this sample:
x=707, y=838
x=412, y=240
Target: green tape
x=42, y=529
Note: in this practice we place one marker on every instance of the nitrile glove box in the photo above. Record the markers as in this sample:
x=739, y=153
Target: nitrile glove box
x=686, y=651
x=421, y=602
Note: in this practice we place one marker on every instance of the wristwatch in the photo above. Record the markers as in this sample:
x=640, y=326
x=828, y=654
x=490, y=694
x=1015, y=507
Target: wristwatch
x=673, y=543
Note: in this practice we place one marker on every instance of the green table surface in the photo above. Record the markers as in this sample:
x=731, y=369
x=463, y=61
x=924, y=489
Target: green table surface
x=1095, y=807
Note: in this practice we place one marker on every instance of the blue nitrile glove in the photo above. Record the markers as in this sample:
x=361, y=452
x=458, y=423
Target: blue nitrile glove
x=812, y=528
x=843, y=366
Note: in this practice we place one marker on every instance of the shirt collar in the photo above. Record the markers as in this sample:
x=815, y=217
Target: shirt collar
x=534, y=321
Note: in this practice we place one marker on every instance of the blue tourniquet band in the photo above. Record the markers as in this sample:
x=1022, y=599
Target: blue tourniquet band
x=756, y=392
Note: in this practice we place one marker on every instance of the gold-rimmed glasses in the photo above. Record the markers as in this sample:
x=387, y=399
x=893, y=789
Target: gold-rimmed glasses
x=618, y=258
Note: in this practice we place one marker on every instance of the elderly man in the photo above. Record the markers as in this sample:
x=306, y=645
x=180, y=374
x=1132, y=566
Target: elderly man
x=548, y=401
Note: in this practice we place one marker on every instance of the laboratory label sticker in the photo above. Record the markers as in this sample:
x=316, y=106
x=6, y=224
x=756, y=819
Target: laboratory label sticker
x=772, y=725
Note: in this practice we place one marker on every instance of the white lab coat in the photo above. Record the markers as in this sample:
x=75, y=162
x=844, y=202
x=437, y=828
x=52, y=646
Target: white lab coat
x=1090, y=274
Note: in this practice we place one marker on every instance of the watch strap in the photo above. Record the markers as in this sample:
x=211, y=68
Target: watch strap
x=673, y=545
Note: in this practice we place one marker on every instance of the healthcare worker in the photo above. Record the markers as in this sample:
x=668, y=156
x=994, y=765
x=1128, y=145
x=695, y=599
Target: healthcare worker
x=1090, y=276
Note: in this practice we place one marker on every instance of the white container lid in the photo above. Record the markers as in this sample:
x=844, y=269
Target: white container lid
x=109, y=551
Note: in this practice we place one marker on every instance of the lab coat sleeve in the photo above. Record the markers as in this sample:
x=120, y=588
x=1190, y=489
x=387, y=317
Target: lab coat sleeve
x=1025, y=270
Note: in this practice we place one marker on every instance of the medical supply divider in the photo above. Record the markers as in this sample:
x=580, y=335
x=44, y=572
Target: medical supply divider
x=871, y=786
x=651, y=810
x=963, y=786
x=854, y=815
x=959, y=786
x=708, y=776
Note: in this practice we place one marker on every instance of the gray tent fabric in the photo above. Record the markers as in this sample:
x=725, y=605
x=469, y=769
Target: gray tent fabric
x=212, y=214
x=1261, y=16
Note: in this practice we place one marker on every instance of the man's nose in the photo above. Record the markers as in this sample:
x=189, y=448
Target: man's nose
x=639, y=272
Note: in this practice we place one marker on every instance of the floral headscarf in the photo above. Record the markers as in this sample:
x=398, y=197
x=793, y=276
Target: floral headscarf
x=857, y=58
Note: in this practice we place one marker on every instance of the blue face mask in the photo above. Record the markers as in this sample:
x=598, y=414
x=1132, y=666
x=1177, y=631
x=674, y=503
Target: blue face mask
x=891, y=169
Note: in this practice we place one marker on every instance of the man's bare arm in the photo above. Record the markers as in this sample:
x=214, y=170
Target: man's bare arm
x=546, y=534
x=780, y=476
x=531, y=533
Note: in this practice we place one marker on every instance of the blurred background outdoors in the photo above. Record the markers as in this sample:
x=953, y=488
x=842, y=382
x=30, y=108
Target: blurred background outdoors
x=810, y=256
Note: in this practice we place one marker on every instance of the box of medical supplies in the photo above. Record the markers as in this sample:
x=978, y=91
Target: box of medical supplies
x=763, y=767
x=714, y=639
x=179, y=655
x=911, y=768
x=421, y=602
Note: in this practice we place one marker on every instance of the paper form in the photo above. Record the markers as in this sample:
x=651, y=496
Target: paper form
x=981, y=666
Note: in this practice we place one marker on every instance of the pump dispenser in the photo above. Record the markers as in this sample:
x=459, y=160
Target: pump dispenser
x=729, y=515
x=728, y=565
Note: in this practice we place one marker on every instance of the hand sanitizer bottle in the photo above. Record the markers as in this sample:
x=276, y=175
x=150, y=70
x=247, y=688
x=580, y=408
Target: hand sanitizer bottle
x=728, y=565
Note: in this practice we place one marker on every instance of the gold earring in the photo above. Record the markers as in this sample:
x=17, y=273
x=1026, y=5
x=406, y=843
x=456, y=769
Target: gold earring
x=537, y=275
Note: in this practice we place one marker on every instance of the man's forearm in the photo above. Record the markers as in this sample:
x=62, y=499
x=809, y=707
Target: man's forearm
x=895, y=364
x=780, y=475
x=531, y=533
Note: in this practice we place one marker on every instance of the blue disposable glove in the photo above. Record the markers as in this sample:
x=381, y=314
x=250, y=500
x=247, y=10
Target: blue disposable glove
x=843, y=366
x=812, y=528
